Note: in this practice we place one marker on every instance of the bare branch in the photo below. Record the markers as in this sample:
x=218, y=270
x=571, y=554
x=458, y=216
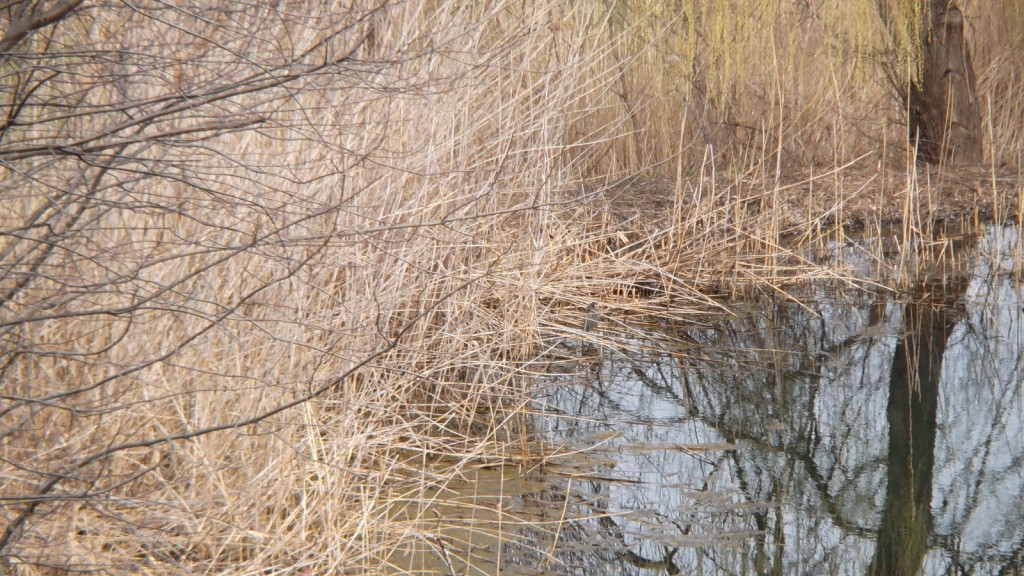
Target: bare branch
x=34, y=20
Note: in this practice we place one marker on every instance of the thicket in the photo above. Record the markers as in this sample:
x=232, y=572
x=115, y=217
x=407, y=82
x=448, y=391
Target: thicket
x=268, y=270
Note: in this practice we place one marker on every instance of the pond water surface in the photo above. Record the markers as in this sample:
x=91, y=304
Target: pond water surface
x=853, y=431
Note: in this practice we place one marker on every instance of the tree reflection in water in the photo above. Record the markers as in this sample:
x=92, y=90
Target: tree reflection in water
x=852, y=433
x=912, y=415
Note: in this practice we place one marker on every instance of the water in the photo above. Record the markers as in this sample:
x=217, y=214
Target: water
x=852, y=432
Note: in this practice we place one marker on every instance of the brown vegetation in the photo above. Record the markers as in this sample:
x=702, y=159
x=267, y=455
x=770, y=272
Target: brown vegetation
x=269, y=270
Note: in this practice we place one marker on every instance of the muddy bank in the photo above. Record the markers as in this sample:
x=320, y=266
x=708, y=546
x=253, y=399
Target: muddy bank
x=857, y=199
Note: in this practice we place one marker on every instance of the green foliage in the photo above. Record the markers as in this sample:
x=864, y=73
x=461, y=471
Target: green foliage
x=903, y=22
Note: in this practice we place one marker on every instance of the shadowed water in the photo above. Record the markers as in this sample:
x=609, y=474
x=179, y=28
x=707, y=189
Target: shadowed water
x=854, y=431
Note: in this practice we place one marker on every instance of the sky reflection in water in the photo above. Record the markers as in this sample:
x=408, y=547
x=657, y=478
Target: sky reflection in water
x=765, y=446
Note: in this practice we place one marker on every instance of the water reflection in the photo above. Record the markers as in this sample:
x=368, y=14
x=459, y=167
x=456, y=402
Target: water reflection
x=851, y=433
x=912, y=415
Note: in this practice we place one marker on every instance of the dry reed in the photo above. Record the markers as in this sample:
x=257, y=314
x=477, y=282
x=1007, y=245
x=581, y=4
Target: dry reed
x=246, y=334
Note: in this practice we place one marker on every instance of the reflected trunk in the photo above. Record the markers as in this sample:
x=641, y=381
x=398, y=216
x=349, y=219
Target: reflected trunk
x=912, y=411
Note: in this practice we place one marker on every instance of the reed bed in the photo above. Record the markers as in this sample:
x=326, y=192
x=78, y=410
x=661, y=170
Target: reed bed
x=271, y=276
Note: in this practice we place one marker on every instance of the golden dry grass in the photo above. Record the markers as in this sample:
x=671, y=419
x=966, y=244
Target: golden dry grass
x=236, y=350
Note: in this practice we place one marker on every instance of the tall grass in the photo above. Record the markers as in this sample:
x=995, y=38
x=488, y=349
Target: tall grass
x=347, y=276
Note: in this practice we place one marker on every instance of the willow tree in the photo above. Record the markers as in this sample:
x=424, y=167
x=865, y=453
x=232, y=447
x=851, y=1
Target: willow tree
x=934, y=79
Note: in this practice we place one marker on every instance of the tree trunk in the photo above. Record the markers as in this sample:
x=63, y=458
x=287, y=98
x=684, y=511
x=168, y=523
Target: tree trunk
x=944, y=121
